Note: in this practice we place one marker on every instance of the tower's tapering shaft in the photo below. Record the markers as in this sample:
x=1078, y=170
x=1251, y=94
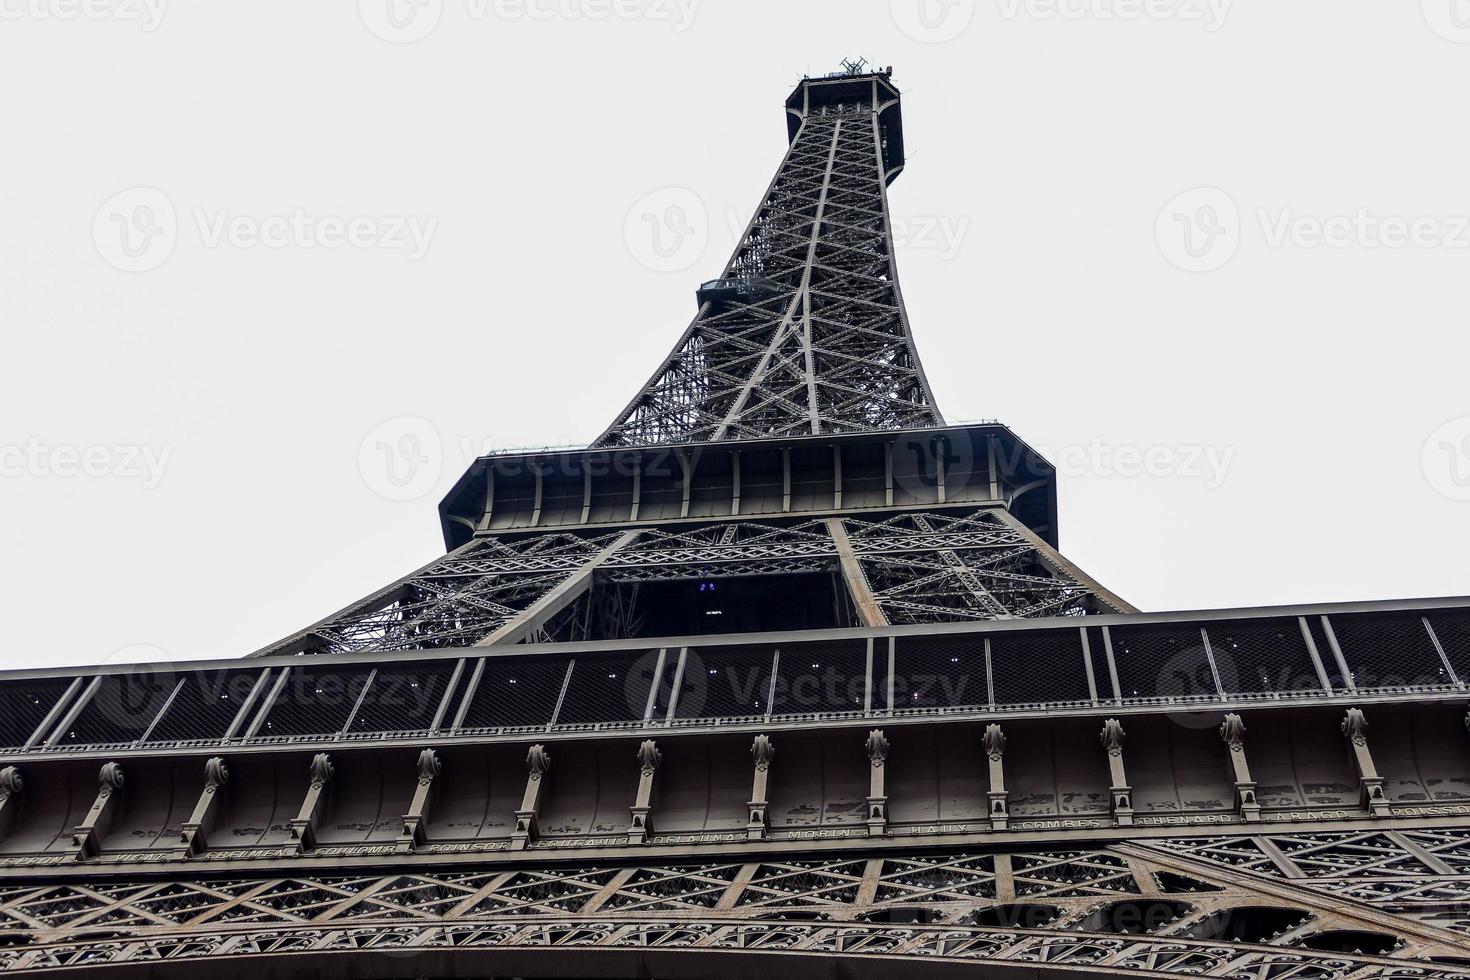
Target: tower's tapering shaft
x=805, y=332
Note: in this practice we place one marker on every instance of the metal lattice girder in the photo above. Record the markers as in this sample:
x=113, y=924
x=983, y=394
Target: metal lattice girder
x=928, y=568
x=814, y=337
x=925, y=568
x=917, y=568
x=1171, y=908
x=472, y=594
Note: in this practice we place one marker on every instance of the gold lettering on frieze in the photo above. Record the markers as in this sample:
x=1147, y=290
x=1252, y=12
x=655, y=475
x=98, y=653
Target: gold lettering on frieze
x=1298, y=816
x=34, y=862
x=1058, y=824
x=698, y=838
x=937, y=828
x=1183, y=820
x=354, y=850
x=822, y=834
x=137, y=857
x=252, y=854
x=1430, y=811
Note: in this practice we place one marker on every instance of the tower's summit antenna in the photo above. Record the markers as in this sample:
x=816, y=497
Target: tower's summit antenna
x=854, y=66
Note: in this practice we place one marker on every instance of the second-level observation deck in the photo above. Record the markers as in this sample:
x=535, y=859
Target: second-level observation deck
x=761, y=479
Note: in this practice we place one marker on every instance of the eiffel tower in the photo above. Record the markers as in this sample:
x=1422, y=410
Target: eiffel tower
x=783, y=672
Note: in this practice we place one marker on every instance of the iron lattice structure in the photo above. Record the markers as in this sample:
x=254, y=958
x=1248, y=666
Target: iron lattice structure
x=782, y=673
x=906, y=568
x=805, y=333
x=1267, y=907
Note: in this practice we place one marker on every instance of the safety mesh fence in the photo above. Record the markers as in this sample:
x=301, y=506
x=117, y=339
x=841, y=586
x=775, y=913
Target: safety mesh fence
x=314, y=701
x=1162, y=662
x=24, y=705
x=121, y=710
x=205, y=706
x=822, y=678
x=516, y=692
x=946, y=671
x=1043, y=667
x=608, y=688
x=1389, y=651
x=403, y=699
x=1453, y=630
x=726, y=682
x=1257, y=656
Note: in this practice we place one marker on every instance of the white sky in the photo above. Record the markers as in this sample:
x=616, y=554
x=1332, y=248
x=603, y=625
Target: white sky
x=522, y=139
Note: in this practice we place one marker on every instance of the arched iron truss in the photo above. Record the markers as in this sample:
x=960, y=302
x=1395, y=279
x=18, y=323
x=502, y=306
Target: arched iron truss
x=1271, y=906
